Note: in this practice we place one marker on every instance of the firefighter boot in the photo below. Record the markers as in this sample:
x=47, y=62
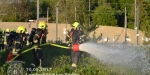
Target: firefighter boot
x=74, y=64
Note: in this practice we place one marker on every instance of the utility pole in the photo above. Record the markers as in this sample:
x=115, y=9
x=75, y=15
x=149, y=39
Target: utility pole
x=66, y=22
x=57, y=20
x=37, y=19
x=135, y=26
x=137, y=33
x=89, y=12
x=75, y=13
x=125, y=24
x=47, y=14
x=136, y=21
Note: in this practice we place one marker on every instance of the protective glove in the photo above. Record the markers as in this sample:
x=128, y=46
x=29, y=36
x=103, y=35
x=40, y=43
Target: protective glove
x=81, y=40
x=68, y=43
x=27, y=44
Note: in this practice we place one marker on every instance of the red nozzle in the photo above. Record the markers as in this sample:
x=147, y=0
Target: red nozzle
x=75, y=47
x=42, y=35
x=10, y=56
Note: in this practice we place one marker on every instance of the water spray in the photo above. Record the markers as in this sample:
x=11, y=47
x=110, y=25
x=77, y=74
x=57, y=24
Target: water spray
x=120, y=55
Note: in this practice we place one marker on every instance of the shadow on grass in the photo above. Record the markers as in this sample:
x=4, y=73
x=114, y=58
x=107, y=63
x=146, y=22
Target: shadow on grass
x=3, y=57
x=52, y=53
x=49, y=52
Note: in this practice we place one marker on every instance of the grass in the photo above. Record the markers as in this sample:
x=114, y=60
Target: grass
x=57, y=61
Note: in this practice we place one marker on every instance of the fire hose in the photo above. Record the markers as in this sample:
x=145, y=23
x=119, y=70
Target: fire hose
x=75, y=47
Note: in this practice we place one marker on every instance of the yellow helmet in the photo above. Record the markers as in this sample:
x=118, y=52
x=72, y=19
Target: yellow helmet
x=21, y=29
x=75, y=25
x=42, y=25
x=7, y=30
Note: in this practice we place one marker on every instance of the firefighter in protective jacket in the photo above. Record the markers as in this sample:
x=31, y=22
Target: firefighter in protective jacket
x=44, y=33
x=32, y=33
x=17, y=44
x=37, y=52
x=6, y=38
x=9, y=38
x=1, y=40
x=75, y=36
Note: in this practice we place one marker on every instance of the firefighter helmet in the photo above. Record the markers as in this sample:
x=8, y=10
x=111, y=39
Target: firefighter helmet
x=75, y=25
x=42, y=25
x=21, y=29
x=7, y=30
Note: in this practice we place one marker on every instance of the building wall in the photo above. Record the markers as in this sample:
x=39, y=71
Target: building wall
x=113, y=33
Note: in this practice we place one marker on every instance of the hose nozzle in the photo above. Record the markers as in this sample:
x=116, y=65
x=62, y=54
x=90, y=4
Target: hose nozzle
x=75, y=47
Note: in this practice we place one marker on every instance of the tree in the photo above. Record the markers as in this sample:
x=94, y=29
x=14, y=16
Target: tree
x=43, y=8
x=66, y=10
x=143, y=18
x=32, y=9
x=83, y=16
x=104, y=15
x=20, y=11
x=75, y=10
x=7, y=11
x=148, y=20
x=23, y=11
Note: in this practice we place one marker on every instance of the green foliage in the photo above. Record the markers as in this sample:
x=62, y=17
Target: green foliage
x=32, y=10
x=19, y=11
x=53, y=4
x=43, y=8
x=143, y=18
x=94, y=4
x=9, y=16
x=23, y=11
x=103, y=15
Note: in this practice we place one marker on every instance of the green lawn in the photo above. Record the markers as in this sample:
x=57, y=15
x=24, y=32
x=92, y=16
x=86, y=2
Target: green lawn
x=57, y=62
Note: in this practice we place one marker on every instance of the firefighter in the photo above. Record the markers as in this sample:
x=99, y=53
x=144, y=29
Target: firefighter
x=20, y=34
x=11, y=38
x=75, y=36
x=32, y=33
x=37, y=52
x=1, y=40
x=7, y=39
x=44, y=32
x=26, y=41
